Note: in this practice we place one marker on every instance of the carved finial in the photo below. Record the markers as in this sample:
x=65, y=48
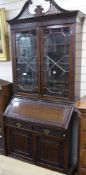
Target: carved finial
x=39, y=10
x=25, y=12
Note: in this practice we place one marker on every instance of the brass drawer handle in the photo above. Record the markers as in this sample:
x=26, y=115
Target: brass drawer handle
x=46, y=131
x=0, y=136
x=19, y=125
x=64, y=135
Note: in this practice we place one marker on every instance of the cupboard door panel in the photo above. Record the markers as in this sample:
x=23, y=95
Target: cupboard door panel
x=50, y=152
x=19, y=143
x=83, y=158
x=83, y=140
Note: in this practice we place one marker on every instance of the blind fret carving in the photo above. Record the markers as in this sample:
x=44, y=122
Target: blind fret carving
x=53, y=9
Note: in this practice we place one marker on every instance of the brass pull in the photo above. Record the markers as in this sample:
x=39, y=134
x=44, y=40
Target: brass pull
x=19, y=125
x=46, y=131
x=0, y=136
x=64, y=135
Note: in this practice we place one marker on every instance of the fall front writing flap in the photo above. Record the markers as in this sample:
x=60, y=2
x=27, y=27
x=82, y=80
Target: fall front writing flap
x=40, y=112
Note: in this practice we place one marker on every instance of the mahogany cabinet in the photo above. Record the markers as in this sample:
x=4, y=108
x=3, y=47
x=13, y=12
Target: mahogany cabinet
x=5, y=96
x=40, y=119
x=41, y=132
x=81, y=105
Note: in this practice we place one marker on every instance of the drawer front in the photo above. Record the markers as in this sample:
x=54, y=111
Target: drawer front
x=82, y=172
x=1, y=129
x=83, y=158
x=43, y=130
x=50, y=132
x=83, y=140
x=18, y=123
x=83, y=123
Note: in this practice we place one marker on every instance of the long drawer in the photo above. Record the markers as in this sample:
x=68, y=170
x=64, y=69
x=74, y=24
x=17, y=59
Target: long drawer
x=20, y=124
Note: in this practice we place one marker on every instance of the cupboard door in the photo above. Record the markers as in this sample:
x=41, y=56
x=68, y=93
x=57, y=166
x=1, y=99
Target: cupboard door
x=83, y=158
x=83, y=140
x=50, y=153
x=83, y=123
x=56, y=50
x=19, y=143
x=26, y=61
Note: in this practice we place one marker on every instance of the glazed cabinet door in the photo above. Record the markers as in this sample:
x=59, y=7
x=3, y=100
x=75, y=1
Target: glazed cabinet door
x=19, y=143
x=50, y=153
x=26, y=61
x=57, y=61
x=44, y=61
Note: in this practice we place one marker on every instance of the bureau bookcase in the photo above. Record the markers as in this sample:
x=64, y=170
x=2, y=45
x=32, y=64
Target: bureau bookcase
x=39, y=121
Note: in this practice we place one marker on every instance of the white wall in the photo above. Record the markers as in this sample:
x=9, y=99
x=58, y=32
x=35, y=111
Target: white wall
x=13, y=7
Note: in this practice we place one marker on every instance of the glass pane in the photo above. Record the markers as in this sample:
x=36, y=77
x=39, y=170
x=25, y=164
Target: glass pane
x=56, y=63
x=26, y=47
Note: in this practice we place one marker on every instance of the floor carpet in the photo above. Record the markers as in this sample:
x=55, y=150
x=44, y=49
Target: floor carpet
x=10, y=166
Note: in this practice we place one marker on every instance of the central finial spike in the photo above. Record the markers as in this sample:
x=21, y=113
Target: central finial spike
x=39, y=10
